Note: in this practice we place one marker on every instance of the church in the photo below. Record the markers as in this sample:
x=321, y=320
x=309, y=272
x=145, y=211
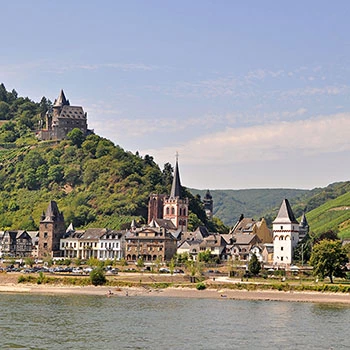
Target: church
x=170, y=210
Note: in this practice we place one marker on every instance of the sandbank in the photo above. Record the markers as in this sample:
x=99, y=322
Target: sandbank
x=223, y=294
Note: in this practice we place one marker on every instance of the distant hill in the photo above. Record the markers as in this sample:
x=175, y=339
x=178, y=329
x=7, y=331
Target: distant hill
x=230, y=204
x=327, y=208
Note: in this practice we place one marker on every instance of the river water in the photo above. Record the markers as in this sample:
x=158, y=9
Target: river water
x=95, y=322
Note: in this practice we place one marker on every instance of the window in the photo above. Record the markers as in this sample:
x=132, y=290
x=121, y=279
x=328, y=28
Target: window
x=281, y=248
x=173, y=211
x=281, y=227
x=45, y=234
x=281, y=258
x=167, y=210
x=45, y=245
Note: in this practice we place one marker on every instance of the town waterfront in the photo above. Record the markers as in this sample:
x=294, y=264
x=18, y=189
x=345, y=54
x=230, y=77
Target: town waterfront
x=30, y=321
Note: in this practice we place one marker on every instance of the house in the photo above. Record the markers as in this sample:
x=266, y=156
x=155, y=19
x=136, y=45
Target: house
x=267, y=253
x=250, y=226
x=201, y=240
x=150, y=244
x=99, y=243
x=15, y=244
x=242, y=245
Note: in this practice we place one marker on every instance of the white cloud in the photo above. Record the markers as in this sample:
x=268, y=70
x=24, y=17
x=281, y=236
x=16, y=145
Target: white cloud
x=271, y=142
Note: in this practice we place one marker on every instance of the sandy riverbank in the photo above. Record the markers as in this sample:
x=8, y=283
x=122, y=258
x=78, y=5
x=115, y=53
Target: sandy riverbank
x=224, y=294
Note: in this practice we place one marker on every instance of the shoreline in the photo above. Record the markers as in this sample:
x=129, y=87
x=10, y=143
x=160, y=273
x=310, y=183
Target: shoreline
x=180, y=292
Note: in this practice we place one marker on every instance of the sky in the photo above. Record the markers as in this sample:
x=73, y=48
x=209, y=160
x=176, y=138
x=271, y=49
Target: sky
x=251, y=94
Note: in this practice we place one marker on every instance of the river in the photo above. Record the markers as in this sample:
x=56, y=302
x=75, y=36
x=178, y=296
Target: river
x=44, y=322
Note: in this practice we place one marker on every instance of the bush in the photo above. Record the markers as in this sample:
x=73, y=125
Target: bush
x=200, y=286
x=97, y=277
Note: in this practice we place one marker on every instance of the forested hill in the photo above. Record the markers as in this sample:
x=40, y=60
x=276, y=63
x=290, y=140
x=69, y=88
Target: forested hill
x=96, y=183
x=255, y=203
x=327, y=208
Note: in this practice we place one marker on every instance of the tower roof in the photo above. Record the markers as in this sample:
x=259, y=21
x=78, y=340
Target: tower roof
x=52, y=213
x=285, y=214
x=61, y=100
x=303, y=221
x=176, y=186
x=208, y=195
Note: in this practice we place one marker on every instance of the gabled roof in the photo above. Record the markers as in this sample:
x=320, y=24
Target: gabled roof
x=94, y=233
x=285, y=214
x=176, y=186
x=201, y=232
x=242, y=239
x=166, y=223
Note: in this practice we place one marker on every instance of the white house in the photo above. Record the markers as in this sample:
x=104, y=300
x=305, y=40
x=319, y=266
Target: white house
x=285, y=235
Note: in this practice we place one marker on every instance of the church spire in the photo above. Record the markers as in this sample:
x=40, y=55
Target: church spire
x=176, y=186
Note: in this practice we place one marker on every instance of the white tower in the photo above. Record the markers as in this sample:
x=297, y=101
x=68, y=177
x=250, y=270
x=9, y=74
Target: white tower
x=285, y=235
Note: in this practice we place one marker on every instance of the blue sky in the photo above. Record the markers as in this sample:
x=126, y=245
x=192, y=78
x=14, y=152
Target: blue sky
x=252, y=94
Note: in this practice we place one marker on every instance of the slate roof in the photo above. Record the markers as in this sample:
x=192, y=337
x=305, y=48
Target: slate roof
x=285, y=214
x=93, y=233
x=72, y=112
x=52, y=213
x=176, y=186
x=303, y=221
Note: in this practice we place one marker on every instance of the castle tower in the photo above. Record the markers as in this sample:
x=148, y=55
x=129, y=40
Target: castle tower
x=208, y=204
x=59, y=103
x=285, y=234
x=175, y=208
x=51, y=230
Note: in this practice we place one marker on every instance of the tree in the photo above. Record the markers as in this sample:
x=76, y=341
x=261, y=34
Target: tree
x=254, y=265
x=204, y=256
x=76, y=136
x=328, y=258
x=97, y=277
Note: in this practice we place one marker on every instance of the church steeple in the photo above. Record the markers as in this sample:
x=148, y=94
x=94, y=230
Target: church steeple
x=175, y=208
x=176, y=186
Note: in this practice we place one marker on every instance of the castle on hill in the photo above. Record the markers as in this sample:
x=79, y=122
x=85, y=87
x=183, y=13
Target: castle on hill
x=62, y=119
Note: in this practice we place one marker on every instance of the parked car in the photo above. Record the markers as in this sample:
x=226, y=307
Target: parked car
x=164, y=270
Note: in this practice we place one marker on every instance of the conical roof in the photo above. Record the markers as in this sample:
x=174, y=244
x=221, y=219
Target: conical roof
x=303, y=221
x=285, y=214
x=61, y=100
x=176, y=186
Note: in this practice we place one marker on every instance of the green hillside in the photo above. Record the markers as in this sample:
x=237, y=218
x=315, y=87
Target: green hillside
x=230, y=204
x=96, y=183
x=333, y=215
